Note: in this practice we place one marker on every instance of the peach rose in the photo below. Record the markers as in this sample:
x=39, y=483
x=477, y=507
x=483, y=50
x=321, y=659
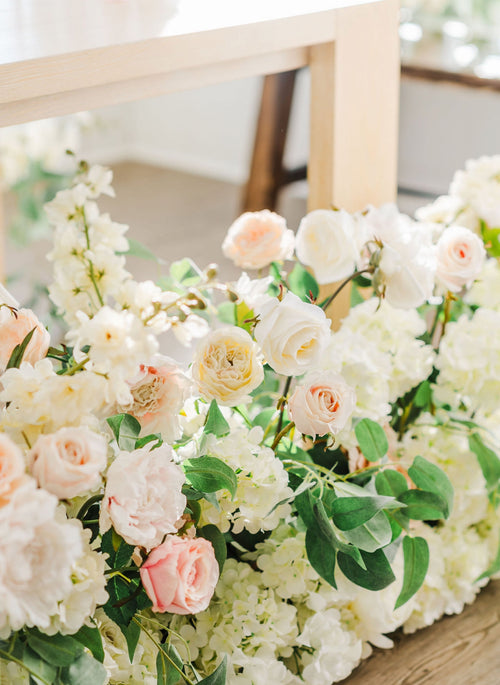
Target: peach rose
x=180, y=575
x=460, y=257
x=14, y=327
x=227, y=366
x=256, y=239
x=11, y=468
x=322, y=404
x=69, y=462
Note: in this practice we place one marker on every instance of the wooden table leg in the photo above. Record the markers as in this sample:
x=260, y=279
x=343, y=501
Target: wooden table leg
x=354, y=114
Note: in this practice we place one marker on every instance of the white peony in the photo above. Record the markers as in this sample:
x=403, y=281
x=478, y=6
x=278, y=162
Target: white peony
x=292, y=334
x=143, y=500
x=326, y=241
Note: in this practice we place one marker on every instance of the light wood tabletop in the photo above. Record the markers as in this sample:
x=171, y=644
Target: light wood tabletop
x=62, y=56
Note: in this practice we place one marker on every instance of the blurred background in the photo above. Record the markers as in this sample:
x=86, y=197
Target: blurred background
x=181, y=161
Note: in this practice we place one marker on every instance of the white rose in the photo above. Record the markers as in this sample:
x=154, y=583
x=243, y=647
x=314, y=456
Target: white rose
x=292, y=334
x=326, y=242
x=256, y=239
x=69, y=462
x=460, y=257
x=407, y=268
x=227, y=366
x=322, y=403
x=143, y=498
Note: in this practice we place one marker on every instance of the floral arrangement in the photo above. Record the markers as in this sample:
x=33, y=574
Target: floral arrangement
x=278, y=507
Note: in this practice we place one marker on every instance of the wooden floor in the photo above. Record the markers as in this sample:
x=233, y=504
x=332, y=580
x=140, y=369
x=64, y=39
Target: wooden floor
x=458, y=650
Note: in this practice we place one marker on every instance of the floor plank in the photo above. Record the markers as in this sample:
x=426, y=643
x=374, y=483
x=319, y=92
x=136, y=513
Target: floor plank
x=458, y=650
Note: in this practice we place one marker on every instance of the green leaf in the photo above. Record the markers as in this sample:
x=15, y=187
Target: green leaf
x=126, y=429
x=137, y=249
x=372, y=439
x=423, y=396
x=57, y=650
x=154, y=437
x=321, y=555
x=390, y=483
x=218, y=677
x=91, y=638
x=302, y=283
x=209, y=474
x=226, y=312
x=431, y=478
x=304, y=504
x=264, y=417
x=493, y=568
x=416, y=563
x=166, y=673
x=39, y=668
x=351, y=512
x=490, y=466
x=215, y=423
x=17, y=354
x=83, y=671
x=213, y=535
x=377, y=575
x=123, y=599
x=131, y=633
x=243, y=317
x=185, y=272
x=372, y=535
x=423, y=506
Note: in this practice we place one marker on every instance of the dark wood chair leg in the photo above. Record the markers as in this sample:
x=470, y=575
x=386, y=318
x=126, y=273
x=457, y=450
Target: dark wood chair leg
x=266, y=171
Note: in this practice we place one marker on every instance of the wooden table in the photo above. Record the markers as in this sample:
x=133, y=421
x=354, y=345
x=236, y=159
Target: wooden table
x=62, y=56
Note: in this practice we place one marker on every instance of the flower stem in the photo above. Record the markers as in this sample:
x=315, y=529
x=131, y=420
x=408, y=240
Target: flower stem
x=91, y=265
x=282, y=405
x=324, y=305
x=10, y=657
x=73, y=369
x=282, y=434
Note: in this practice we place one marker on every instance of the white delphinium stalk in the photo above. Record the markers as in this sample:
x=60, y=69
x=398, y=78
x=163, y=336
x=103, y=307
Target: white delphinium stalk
x=469, y=362
x=116, y=659
x=262, y=483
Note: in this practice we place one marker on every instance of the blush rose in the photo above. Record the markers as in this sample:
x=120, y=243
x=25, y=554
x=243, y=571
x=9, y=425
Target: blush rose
x=180, y=575
x=460, y=257
x=69, y=462
x=14, y=327
x=322, y=403
x=256, y=239
x=12, y=473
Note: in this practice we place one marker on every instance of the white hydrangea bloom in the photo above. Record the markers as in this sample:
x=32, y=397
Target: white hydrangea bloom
x=262, y=483
x=116, y=660
x=479, y=187
x=469, y=362
x=446, y=211
x=38, y=552
x=484, y=291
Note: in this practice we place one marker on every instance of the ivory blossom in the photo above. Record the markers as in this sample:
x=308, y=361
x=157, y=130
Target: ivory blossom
x=322, y=403
x=460, y=257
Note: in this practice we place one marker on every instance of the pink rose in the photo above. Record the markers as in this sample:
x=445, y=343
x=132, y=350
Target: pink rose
x=11, y=468
x=460, y=255
x=14, y=327
x=180, y=575
x=256, y=239
x=143, y=498
x=322, y=404
x=69, y=462
x=158, y=393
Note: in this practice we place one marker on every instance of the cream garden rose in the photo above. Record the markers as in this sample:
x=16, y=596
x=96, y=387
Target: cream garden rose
x=460, y=257
x=256, y=239
x=227, y=366
x=326, y=242
x=15, y=324
x=69, y=462
x=180, y=575
x=143, y=498
x=322, y=403
x=292, y=334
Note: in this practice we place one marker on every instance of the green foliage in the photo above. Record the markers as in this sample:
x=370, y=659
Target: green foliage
x=126, y=429
x=226, y=312
x=431, y=478
x=244, y=317
x=209, y=474
x=351, y=512
x=490, y=466
x=493, y=568
x=372, y=535
x=91, y=638
x=17, y=354
x=424, y=506
x=376, y=575
x=372, y=439
x=213, y=535
x=137, y=249
x=390, y=483
x=302, y=283
x=218, y=677
x=166, y=673
x=56, y=650
x=416, y=563
x=321, y=555
x=423, y=396
x=215, y=423
x=83, y=671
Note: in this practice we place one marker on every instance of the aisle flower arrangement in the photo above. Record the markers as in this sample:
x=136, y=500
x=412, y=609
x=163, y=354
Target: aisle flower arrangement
x=274, y=509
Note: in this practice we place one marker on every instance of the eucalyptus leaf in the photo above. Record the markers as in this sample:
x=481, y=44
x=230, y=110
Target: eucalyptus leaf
x=91, y=638
x=423, y=506
x=57, y=650
x=166, y=674
x=390, y=483
x=377, y=575
x=126, y=429
x=41, y=671
x=372, y=439
x=321, y=555
x=493, y=568
x=490, y=466
x=83, y=671
x=215, y=423
x=213, y=535
x=209, y=474
x=372, y=535
x=351, y=512
x=137, y=249
x=423, y=396
x=430, y=477
x=416, y=563
x=218, y=677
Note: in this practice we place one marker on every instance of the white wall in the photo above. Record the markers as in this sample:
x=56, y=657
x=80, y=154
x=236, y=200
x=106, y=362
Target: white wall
x=210, y=131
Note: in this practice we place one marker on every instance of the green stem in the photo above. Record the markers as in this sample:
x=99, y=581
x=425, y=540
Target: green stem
x=282, y=434
x=86, y=505
x=158, y=645
x=91, y=266
x=282, y=406
x=9, y=657
x=73, y=369
x=327, y=302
